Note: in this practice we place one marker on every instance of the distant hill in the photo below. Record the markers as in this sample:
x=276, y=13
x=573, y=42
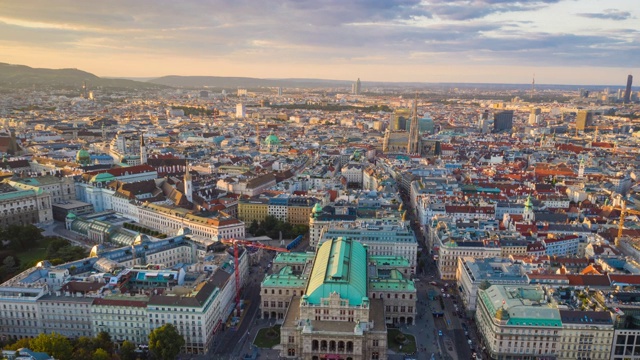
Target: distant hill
x=21, y=76
x=231, y=82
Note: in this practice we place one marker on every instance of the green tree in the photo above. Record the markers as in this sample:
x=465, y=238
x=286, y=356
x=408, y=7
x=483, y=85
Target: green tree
x=22, y=343
x=53, y=344
x=100, y=354
x=83, y=348
x=103, y=341
x=165, y=342
x=128, y=351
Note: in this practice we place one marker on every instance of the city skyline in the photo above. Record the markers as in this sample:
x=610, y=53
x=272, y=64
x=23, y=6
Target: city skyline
x=484, y=41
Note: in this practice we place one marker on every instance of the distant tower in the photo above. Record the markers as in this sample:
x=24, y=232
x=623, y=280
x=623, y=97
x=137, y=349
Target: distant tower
x=143, y=151
x=280, y=91
x=627, y=92
x=385, y=143
x=581, y=168
x=528, y=214
x=84, y=90
x=240, y=112
x=414, y=138
x=104, y=133
x=188, y=185
x=533, y=86
x=258, y=135
x=358, y=87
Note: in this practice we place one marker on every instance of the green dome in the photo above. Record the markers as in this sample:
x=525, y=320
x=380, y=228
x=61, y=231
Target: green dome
x=83, y=157
x=71, y=216
x=272, y=140
x=317, y=208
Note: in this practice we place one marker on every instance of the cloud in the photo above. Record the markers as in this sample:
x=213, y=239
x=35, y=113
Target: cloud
x=608, y=14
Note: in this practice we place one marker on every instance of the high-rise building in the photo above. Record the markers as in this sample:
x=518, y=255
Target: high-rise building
x=280, y=91
x=627, y=92
x=534, y=116
x=358, y=86
x=584, y=119
x=503, y=121
x=240, y=111
x=399, y=119
x=413, y=147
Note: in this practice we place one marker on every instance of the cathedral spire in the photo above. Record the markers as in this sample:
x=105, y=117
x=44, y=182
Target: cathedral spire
x=414, y=132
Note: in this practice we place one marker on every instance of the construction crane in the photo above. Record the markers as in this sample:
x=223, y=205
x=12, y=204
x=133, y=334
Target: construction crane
x=623, y=212
x=245, y=243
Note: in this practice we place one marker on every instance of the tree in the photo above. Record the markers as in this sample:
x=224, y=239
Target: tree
x=53, y=344
x=22, y=343
x=100, y=354
x=127, y=351
x=103, y=341
x=165, y=342
x=83, y=348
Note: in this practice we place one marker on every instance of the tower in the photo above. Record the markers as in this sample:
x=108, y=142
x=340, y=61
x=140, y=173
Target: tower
x=143, y=150
x=627, y=92
x=581, y=168
x=258, y=135
x=358, y=87
x=188, y=185
x=533, y=86
x=104, y=133
x=385, y=142
x=240, y=111
x=414, y=139
x=528, y=215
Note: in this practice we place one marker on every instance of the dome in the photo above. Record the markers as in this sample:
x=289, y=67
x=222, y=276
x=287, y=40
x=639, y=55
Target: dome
x=317, y=208
x=83, y=157
x=272, y=139
x=71, y=216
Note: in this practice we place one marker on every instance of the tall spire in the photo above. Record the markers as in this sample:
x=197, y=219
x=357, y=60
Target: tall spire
x=188, y=185
x=143, y=151
x=414, y=136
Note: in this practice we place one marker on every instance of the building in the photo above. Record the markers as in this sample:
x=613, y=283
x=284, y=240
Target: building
x=240, y=111
x=503, y=121
x=525, y=322
x=335, y=318
x=285, y=207
x=124, y=317
x=381, y=237
x=62, y=209
x=584, y=119
x=474, y=274
x=627, y=91
x=60, y=188
x=23, y=207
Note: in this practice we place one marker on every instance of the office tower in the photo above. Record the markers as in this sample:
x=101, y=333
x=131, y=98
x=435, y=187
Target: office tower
x=414, y=137
x=503, y=121
x=240, y=113
x=204, y=94
x=280, y=91
x=399, y=119
x=627, y=92
x=358, y=86
x=534, y=116
x=584, y=119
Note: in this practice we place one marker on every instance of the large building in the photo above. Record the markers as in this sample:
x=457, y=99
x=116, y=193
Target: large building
x=503, y=121
x=292, y=209
x=23, y=207
x=584, y=119
x=523, y=322
x=627, y=90
x=335, y=318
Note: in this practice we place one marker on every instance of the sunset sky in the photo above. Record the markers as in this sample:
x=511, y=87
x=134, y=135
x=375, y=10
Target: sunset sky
x=496, y=41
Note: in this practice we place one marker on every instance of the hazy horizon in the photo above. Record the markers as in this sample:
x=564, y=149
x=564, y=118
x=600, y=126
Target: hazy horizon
x=568, y=42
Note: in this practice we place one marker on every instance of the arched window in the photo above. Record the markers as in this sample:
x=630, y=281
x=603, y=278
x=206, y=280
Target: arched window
x=332, y=345
x=314, y=345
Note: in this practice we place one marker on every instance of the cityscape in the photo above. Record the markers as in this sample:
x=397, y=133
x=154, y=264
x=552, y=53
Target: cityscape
x=472, y=209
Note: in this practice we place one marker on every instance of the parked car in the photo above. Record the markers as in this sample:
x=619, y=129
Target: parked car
x=439, y=332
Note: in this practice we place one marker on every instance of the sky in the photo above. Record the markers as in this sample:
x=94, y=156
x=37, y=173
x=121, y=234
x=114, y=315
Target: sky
x=469, y=41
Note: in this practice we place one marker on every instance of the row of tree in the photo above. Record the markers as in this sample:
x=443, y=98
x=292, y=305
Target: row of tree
x=164, y=343
x=20, y=237
x=272, y=226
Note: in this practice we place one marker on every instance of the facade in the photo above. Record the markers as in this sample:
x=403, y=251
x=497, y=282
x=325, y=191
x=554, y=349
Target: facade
x=292, y=209
x=334, y=318
x=69, y=316
x=124, y=317
x=61, y=189
x=170, y=219
x=524, y=322
x=625, y=346
x=503, y=121
x=23, y=207
x=584, y=119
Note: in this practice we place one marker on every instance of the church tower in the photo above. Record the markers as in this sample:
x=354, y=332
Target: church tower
x=414, y=132
x=528, y=214
x=188, y=185
x=143, y=151
x=581, y=168
x=385, y=143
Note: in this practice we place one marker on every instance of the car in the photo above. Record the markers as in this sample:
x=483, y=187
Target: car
x=433, y=283
x=439, y=332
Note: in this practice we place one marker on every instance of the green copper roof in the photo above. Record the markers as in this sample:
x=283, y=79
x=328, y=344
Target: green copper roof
x=102, y=177
x=340, y=266
x=293, y=257
x=284, y=278
x=272, y=140
x=520, y=306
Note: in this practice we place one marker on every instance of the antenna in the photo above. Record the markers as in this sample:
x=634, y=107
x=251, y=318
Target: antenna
x=533, y=85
